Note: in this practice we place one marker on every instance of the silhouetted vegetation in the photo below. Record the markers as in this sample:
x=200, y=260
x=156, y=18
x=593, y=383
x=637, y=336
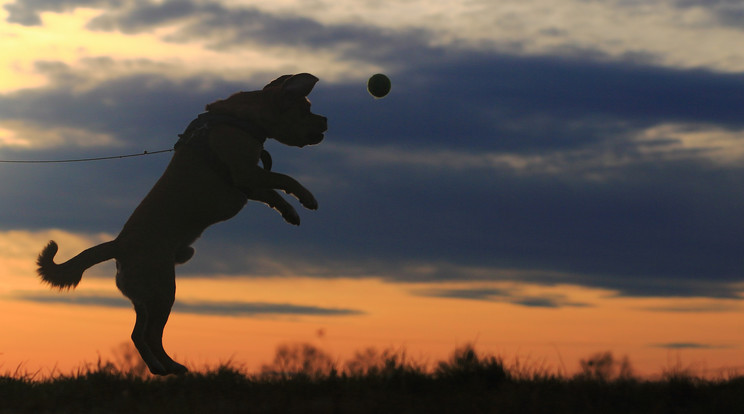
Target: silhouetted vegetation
x=604, y=367
x=304, y=379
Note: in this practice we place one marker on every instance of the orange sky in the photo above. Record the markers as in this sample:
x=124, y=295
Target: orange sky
x=63, y=336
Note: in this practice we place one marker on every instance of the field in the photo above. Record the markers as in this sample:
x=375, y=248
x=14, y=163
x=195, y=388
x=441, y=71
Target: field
x=302, y=379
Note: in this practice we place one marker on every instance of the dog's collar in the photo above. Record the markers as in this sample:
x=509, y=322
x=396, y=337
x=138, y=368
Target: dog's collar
x=196, y=136
x=207, y=120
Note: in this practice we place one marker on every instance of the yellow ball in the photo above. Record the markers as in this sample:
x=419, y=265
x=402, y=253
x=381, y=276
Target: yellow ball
x=378, y=85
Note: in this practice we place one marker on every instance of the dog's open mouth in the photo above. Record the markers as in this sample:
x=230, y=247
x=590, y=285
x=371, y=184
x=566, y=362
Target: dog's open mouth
x=315, y=138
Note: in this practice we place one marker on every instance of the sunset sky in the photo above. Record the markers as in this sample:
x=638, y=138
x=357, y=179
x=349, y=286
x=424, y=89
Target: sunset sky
x=547, y=179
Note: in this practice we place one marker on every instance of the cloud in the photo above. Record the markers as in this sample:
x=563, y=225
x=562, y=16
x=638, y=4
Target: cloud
x=514, y=297
x=72, y=299
x=668, y=32
x=28, y=12
x=688, y=345
x=19, y=249
x=223, y=27
x=199, y=307
x=480, y=165
x=730, y=13
x=228, y=29
x=257, y=309
x=472, y=187
x=695, y=307
x=523, y=105
x=20, y=135
x=137, y=108
x=720, y=145
x=144, y=16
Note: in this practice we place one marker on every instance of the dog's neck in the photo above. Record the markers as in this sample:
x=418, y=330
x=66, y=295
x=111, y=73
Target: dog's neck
x=207, y=120
x=197, y=133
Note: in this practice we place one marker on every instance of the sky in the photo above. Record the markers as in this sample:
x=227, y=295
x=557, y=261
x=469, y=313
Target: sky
x=546, y=179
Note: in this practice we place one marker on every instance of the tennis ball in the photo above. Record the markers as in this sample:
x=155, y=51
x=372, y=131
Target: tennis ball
x=378, y=85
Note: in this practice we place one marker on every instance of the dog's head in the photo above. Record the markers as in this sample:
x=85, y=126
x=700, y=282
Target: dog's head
x=281, y=108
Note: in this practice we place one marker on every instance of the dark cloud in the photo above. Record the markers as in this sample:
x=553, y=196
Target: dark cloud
x=28, y=12
x=257, y=309
x=727, y=12
x=238, y=309
x=687, y=345
x=73, y=299
x=470, y=294
x=593, y=96
x=144, y=16
x=502, y=295
x=580, y=98
x=143, y=112
x=137, y=109
x=224, y=28
x=648, y=227
x=697, y=308
x=596, y=208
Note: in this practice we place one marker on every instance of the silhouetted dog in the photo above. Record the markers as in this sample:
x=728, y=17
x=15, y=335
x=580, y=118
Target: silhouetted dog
x=213, y=173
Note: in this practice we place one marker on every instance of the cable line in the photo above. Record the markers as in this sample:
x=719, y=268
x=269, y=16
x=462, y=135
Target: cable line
x=83, y=159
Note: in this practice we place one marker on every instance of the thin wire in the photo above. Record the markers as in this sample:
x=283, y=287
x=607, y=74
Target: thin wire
x=83, y=159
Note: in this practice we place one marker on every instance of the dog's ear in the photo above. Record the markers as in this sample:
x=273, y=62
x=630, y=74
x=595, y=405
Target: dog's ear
x=299, y=85
x=294, y=85
x=276, y=83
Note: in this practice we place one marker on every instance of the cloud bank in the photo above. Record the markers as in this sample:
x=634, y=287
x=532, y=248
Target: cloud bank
x=197, y=307
x=482, y=164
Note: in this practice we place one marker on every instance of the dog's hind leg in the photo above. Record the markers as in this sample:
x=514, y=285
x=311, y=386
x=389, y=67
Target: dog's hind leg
x=139, y=339
x=158, y=310
x=152, y=290
x=127, y=284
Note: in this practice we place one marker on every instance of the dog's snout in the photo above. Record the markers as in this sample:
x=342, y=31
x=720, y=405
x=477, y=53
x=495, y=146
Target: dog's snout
x=322, y=122
x=320, y=126
x=315, y=138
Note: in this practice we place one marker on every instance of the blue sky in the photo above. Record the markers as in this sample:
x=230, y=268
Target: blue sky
x=596, y=144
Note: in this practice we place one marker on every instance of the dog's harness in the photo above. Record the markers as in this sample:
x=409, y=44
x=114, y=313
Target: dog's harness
x=196, y=136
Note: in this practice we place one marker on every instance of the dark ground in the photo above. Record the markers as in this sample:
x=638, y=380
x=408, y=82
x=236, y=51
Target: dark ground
x=481, y=388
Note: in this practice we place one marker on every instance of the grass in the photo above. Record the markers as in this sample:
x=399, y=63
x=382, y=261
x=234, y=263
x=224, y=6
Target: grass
x=373, y=382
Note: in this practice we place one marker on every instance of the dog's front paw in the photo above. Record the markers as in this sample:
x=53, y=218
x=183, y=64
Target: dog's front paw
x=291, y=217
x=309, y=202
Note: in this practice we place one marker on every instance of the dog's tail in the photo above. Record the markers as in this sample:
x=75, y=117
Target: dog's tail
x=68, y=274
